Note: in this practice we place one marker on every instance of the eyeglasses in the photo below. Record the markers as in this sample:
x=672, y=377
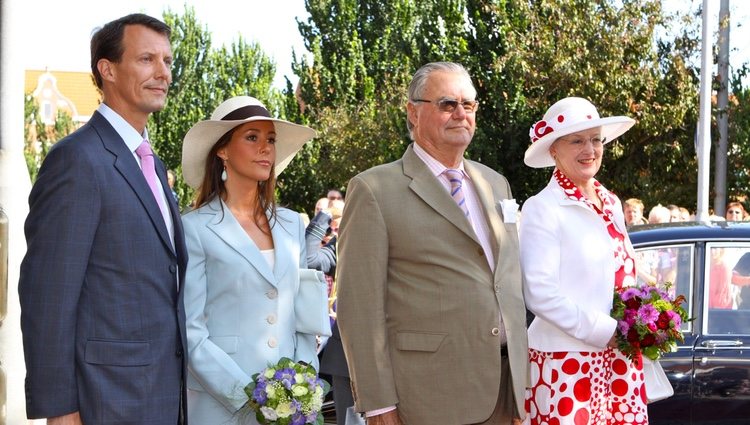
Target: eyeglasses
x=596, y=140
x=450, y=105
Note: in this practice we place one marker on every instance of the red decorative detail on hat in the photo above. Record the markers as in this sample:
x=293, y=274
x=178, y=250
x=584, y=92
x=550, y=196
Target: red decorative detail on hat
x=588, y=116
x=540, y=130
x=560, y=118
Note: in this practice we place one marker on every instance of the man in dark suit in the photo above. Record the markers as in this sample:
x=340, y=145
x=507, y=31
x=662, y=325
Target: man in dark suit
x=100, y=286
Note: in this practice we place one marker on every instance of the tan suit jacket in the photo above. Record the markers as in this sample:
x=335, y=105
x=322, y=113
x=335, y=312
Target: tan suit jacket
x=417, y=299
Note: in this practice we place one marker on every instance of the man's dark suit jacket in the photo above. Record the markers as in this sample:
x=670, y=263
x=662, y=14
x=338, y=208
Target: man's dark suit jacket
x=102, y=318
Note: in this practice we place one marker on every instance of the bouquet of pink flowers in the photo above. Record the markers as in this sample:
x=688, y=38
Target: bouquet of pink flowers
x=649, y=320
x=287, y=393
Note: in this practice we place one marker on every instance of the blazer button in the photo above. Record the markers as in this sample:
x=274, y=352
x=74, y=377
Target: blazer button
x=480, y=251
x=172, y=268
x=272, y=342
x=271, y=318
x=272, y=294
x=497, y=288
x=495, y=331
x=179, y=352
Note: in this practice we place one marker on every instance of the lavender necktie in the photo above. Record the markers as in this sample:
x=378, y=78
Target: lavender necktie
x=456, y=178
x=149, y=172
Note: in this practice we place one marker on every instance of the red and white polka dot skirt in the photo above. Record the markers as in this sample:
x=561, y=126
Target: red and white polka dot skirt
x=582, y=388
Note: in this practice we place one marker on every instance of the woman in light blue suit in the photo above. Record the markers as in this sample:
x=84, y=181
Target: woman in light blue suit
x=244, y=257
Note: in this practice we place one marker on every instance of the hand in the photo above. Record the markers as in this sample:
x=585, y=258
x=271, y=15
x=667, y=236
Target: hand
x=319, y=226
x=322, y=219
x=69, y=419
x=613, y=341
x=387, y=418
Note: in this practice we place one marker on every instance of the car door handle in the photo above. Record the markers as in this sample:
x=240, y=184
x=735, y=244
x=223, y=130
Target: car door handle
x=714, y=343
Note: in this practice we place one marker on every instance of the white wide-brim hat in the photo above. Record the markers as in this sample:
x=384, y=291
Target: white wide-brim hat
x=568, y=116
x=238, y=110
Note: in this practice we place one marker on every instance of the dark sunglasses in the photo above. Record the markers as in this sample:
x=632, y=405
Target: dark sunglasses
x=450, y=105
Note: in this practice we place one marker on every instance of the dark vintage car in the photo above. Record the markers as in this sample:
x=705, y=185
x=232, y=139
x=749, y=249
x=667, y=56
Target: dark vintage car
x=710, y=371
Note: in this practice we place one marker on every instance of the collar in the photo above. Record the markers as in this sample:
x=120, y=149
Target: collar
x=435, y=166
x=129, y=135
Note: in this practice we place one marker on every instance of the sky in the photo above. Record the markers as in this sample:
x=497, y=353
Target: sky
x=62, y=44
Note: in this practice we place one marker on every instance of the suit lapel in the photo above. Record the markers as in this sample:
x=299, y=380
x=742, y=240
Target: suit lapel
x=425, y=185
x=226, y=227
x=127, y=166
x=488, y=202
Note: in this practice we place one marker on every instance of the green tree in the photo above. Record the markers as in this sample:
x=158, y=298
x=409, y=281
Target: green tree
x=39, y=137
x=738, y=157
x=523, y=57
x=535, y=53
x=353, y=89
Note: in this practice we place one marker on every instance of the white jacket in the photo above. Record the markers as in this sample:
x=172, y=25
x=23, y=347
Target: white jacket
x=568, y=266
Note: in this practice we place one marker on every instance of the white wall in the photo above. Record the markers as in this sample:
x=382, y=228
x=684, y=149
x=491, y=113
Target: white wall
x=14, y=190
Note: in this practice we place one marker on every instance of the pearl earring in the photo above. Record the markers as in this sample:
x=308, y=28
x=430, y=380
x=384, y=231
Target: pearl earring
x=224, y=172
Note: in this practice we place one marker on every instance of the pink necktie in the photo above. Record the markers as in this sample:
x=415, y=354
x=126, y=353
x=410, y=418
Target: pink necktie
x=149, y=172
x=456, y=178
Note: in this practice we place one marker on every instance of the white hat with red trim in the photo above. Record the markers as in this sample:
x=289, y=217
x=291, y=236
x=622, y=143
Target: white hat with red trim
x=568, y=116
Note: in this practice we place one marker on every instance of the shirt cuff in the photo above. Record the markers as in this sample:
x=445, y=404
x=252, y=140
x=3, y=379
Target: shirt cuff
x=379, y=411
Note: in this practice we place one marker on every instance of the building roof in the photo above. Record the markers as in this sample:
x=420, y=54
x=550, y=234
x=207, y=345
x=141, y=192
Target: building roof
x=78, y=87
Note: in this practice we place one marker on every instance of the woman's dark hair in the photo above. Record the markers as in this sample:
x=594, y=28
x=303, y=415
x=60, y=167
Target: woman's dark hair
x=106, y=43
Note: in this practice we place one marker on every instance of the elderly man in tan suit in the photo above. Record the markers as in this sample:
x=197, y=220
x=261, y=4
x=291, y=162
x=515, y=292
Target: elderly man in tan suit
x=430, y=305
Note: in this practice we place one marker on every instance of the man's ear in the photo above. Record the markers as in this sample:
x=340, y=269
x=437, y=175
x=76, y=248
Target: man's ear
x=411, y=113
x=106, y=69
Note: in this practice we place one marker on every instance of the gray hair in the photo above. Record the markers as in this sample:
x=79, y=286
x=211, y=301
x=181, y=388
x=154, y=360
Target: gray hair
x=419, y=82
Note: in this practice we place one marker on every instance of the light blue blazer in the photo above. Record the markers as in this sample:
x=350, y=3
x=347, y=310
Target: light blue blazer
x=240, y=312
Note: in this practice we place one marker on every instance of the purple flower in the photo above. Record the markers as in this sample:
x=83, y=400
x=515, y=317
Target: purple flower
x=661, y=337
x=311, y=418
x=259, y=393
x=647, y=314
x=630, y=293
x=286, y=377
x=312, y=381
x=674, y=317
x=298, y=419
x=623, y=326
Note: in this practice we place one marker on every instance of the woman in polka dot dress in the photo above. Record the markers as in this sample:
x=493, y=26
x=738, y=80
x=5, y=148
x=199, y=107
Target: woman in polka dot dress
x=574, y=252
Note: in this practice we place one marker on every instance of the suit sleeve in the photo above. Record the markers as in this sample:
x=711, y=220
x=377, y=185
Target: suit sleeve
x=307, y=345
x=540, y=263
x=210, y=365
x=64, y=208
x=362, y=273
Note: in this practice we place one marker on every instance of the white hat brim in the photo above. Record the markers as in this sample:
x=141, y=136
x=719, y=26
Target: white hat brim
x=537, y=155
x=203, y=136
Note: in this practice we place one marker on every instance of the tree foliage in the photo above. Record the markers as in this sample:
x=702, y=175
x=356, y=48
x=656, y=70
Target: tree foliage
x=353, y=88
x=38, y=136
x=523, y=57
x=738, y=157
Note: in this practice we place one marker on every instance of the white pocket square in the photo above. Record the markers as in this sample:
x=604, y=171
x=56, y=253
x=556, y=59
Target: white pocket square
x=510, y=210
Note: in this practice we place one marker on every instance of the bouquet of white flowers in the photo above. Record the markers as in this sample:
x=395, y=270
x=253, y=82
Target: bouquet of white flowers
x=287, y=393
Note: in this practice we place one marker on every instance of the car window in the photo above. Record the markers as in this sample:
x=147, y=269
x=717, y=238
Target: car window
x=727, y=289
x=669, y=267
